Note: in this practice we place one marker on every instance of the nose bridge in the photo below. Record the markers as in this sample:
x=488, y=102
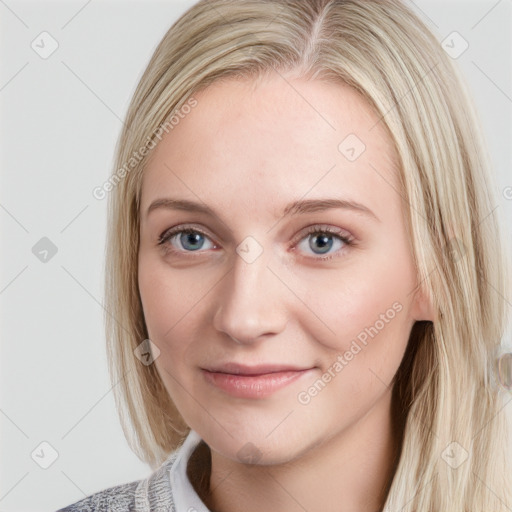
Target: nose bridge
x=246, y=308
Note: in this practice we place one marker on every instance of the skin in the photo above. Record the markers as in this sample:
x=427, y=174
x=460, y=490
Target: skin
x=247, y=150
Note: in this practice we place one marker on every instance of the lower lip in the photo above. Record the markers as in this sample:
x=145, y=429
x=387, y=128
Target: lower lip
x=253, y=386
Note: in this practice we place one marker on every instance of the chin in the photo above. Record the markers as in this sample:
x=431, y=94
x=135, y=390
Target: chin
x=253, y=446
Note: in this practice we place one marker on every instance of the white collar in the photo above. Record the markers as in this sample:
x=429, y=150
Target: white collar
x=185, y=497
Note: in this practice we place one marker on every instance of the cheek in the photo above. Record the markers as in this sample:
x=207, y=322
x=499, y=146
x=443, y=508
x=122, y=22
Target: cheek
x=172, y=302
x=167, y=295
x=163, y=310
x=160, y=300
x=365, y=306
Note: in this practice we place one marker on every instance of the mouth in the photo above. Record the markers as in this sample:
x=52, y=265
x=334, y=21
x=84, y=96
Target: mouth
x=261, y=369
x=253, y=381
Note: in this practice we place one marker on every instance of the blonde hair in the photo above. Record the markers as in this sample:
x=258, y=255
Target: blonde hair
x=445, y=390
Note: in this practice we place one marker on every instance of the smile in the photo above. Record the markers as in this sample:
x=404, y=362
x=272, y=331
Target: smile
x=253, y=386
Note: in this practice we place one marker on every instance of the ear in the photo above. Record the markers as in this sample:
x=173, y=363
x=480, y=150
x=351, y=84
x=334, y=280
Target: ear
x=423, y=306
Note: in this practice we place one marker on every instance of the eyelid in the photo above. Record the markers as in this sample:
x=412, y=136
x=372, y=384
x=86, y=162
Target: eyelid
x=345, y=237
x=165, y=238
x=323, y=228
x=168, y=234
x=178, y=229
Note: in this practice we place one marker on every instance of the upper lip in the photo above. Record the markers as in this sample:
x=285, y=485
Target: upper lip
x=241, y=369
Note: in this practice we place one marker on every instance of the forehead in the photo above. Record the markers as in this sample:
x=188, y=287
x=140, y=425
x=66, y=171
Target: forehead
x=260, y=143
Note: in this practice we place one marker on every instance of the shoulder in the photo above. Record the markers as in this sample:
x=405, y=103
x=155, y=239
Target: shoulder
x=119, y=498
x=152, y=494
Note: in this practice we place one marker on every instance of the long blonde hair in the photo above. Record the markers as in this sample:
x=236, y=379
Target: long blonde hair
x=454, y=436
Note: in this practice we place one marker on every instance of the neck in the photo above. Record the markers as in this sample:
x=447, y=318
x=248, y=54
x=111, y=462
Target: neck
x=351, y=471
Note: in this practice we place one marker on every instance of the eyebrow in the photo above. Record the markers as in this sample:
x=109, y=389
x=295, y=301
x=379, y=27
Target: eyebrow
x=301, y=206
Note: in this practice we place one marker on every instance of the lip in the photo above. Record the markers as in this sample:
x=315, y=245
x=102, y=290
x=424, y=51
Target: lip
x=261, y=369
x=253, y=381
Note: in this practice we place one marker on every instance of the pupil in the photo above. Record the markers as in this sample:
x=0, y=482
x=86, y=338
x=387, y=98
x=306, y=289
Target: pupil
x=191, y=238
x=324, y=241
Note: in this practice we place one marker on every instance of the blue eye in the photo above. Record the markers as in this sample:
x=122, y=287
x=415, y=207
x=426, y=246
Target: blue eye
x=190, y=240
x=321, y=241
x=324, y=241
x=317, y=242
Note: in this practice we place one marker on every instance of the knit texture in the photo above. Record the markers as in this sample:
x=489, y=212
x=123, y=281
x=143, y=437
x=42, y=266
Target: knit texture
x=153, y=494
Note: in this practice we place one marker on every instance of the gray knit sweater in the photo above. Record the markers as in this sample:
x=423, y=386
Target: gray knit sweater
x=167, y=489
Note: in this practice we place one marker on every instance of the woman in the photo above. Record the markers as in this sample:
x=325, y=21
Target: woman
x=305, y=284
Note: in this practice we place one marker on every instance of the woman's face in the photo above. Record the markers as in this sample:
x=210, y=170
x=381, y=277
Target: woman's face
x=297, y=257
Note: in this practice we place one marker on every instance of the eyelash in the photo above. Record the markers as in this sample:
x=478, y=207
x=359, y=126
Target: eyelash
x=166, y=236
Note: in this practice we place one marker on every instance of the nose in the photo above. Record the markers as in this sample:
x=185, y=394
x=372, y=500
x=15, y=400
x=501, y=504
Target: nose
x=251, y=302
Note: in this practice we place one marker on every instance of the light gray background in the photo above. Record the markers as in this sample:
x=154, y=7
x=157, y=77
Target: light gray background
x=60, y=120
